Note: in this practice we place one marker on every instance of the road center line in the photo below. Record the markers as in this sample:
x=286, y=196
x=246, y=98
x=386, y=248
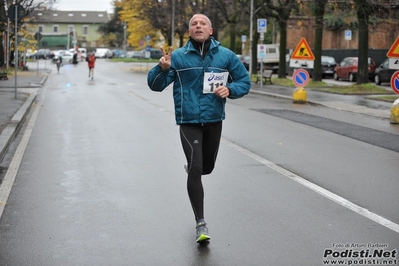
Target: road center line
x=325, y=193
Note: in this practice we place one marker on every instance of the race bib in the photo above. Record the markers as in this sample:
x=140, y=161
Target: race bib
x=214, y=80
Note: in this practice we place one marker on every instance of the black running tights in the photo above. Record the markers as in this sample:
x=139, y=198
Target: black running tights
x=200, y=144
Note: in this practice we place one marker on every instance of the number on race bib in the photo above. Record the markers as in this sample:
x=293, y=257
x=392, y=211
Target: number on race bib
x=214, y=80
x=214, y=86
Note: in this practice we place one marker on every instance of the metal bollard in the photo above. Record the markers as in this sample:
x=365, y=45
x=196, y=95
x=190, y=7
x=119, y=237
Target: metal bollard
x=395, y=112
x=299, y=95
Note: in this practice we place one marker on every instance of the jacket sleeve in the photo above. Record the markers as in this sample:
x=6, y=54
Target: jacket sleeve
x=240, y=81
x=158, y=80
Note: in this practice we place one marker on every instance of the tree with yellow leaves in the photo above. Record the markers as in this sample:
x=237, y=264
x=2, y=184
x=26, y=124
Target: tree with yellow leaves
x=138, y=26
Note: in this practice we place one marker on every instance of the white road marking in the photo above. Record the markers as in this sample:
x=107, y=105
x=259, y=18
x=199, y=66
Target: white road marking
x=325, y=193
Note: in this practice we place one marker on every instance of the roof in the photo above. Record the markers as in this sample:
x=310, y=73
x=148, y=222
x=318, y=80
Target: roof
x=72, y=17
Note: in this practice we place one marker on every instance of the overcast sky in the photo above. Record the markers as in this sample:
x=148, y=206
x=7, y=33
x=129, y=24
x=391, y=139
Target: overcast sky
x=84, y=5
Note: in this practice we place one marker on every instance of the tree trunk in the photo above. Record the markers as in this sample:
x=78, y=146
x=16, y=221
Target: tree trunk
x=317, y=49
x=363, y=44
x=3, y=20
x=232, y=37
x=255, y=39
x=283, y=44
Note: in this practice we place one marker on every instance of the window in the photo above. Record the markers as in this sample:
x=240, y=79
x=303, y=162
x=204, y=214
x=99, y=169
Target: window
x=85, y=30
x=55, y=28
x=70, y=28
x=40, y=28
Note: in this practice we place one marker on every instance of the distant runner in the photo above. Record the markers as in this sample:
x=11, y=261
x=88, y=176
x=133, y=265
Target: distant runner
x=91, y=59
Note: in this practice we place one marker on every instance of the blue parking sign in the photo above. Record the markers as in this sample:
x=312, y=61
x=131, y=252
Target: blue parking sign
x=348, y=35
x=262, y=25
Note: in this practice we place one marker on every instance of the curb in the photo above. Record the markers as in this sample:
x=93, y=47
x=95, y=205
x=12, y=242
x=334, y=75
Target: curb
x=383, y=114
x=8, y=134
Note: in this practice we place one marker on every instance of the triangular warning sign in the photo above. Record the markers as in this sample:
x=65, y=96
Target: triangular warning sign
x=302, y=51
x=394, y=50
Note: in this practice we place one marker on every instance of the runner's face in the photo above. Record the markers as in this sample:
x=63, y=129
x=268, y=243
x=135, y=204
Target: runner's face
x=200, y=28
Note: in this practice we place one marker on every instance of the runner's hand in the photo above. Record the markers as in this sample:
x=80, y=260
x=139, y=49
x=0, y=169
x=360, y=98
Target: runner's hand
x=222, y=91
x=166, y=60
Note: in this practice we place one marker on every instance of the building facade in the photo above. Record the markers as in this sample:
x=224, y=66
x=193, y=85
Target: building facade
x=67, y=29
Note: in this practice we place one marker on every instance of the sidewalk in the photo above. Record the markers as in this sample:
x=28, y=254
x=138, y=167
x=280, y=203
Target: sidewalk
x=13, y=110
x=351, y=103
x=16, y=102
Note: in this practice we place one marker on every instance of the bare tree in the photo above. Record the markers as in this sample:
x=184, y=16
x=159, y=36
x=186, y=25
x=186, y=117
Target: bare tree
x=29, y=6
x=281, y=11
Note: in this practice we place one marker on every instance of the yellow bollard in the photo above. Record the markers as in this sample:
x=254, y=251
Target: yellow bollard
x=299, y=95
x=395, y=112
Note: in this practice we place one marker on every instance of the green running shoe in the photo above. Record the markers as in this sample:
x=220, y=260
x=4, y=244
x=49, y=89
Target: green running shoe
x=202, y=232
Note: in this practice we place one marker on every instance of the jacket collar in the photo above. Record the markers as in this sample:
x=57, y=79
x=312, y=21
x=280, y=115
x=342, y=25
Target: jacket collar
x=189, y=47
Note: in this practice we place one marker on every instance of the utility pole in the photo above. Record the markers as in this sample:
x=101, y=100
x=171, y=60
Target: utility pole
x=124, y=38
x=251, y=37
x=173, y=23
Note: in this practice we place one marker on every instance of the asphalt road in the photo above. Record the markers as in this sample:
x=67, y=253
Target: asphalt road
x=101, y=181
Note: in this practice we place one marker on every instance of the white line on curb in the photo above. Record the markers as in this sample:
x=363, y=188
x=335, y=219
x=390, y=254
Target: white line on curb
x=9, y=178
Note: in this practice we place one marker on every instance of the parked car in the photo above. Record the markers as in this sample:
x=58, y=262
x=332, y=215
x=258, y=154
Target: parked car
x=43, y=54
x=66, y=56
x=103, y=53
x=117, y=53
x=328, y=65
x=383, y=73
x=155, y=53
x=136, y=54
x=347, y=69
x=30, y=53
x=245, y=60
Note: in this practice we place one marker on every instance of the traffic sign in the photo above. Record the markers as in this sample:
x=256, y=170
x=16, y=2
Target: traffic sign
x=393, y=63
x=20, y=12
x=394, y=50
x=302, y=51
x=262, y=25
x=261, y=51
x=38, y=36
x=348, y=35
x=300, y=77
x=395, y=82
x=296, y=63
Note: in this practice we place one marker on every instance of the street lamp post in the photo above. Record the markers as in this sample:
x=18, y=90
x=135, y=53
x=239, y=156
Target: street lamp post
x=173, y=23
x=124, y=38
x=251, y=37
x=250, y=33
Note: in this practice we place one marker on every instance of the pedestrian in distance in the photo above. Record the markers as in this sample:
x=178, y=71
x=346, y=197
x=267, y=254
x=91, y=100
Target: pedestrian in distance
x=75, y=58
x=204, y=74
x=58, y=62
x=91, y=59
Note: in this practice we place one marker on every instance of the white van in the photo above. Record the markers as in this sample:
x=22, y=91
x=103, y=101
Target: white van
x=103, y=53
